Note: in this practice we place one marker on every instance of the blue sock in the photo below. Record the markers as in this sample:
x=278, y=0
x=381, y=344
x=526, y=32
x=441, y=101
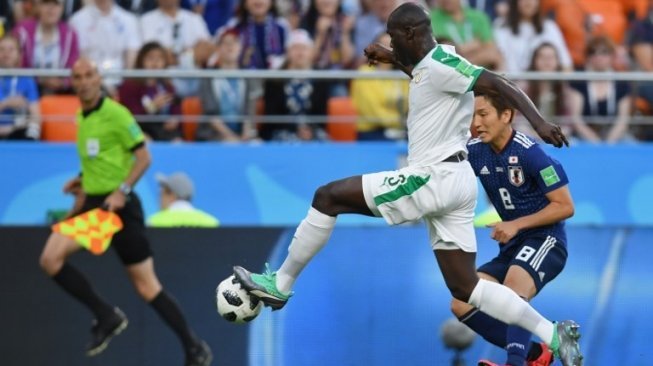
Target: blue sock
x=518, y=339
x=492, y=330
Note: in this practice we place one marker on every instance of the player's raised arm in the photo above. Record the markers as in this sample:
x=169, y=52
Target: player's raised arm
x=549, y=132
x=377, y=52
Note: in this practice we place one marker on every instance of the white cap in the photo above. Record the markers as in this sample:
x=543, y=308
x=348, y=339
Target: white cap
x=299, y=36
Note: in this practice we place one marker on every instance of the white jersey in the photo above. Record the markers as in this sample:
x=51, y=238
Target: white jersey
x=104, y=38
x=441, y=106
x=179, y=33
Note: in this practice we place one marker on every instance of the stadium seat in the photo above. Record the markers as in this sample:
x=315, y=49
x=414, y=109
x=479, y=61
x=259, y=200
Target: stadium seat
x=58, y=115
x=190, y=107
x=338, y=127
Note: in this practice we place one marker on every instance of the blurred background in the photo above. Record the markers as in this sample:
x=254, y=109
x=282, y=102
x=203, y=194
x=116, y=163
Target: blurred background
x=259, y=102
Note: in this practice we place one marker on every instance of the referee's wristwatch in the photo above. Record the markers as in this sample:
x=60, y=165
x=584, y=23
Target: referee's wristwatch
x=125, y=188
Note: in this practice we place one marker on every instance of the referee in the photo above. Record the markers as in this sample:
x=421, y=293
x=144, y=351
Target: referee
x=113, y=157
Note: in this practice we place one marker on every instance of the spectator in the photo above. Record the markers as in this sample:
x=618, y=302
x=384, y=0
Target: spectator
x=493, y=8
x=331, y=29
x=138, y=7
x=381, y=105
x=522, y=31
x=552, y=97
x=371, y=23
x=292, y=11
x=184, y=34
x=70, y=7
x=20, y=10
x=641, y=48
x=6, y=16
x=216, y=13
x=581, y=19
x=641, y=42
x=225, y=100
x=177, y=192
x=153, y=97
x=108, y=35
x=19, y=97
x=469, y=29
x=602, y=109
x=263, y=34
x=297, y=99
x=48, y=43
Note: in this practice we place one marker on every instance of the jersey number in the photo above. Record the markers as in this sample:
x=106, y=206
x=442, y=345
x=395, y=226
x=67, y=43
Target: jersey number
x=505, y=197
x=525, y=253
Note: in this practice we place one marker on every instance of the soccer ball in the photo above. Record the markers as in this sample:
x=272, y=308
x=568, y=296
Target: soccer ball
x=234, y=303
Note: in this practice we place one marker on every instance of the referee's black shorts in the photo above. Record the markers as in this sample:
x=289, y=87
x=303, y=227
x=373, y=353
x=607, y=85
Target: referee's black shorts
x=130, y=243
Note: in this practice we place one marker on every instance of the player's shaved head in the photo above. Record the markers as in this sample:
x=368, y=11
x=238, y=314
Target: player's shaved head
x=409, y=26
x=87, y=82
x=408, y=15
x=84, y=64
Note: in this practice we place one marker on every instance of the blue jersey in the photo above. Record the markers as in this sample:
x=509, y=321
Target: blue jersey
x=517, y=180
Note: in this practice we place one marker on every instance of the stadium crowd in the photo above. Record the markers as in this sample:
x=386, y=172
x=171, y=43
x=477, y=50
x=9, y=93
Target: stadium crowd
x=503, y=35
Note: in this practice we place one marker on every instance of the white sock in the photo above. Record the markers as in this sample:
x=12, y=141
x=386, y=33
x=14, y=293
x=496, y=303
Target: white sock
x=502, y=303
x=311, y=235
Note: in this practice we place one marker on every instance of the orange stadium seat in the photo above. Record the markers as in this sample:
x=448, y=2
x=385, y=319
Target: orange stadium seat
x=339, y=129
x=611, y=19
x=58, y=115
x=190, y=107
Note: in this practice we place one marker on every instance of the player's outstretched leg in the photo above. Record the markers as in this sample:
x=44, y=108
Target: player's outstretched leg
x=495, y=332
x=501, y=303
x=312, y=234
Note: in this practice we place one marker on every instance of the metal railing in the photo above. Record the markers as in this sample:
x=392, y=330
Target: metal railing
x=321, y=74
x=635, y=77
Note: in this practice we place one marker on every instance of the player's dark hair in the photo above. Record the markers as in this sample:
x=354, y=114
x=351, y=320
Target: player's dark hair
x=499, y=103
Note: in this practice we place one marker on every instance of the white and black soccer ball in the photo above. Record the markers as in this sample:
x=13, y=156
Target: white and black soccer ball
x=234, y=303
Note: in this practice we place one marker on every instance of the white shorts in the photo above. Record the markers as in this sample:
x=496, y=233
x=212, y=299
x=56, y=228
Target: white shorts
x=443, y=194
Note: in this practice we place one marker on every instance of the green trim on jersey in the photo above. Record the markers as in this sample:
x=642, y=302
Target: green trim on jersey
x=183, y=218
x=413, y=183
x=106, y=136
x=461, y=65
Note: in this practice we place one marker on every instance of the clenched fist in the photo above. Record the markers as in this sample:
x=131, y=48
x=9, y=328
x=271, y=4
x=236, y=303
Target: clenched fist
x=377, y=52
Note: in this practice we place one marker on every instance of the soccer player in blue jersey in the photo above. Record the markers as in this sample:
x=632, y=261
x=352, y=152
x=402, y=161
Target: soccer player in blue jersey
x=529, y=190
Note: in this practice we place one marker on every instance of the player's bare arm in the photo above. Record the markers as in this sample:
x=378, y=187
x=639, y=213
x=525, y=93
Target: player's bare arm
x=549, y=132
x=560, y=207
x=377, y=52
x=73, y=186
x=116, y=200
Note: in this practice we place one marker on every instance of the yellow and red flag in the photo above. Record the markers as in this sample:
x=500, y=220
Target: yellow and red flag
x=93, y=229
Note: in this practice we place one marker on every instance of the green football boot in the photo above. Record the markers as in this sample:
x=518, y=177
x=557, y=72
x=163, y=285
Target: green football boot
x=263, y=286
x=565, y=345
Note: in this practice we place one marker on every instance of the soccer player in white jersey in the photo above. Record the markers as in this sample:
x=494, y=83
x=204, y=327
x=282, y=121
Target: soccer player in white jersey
x=438, y=185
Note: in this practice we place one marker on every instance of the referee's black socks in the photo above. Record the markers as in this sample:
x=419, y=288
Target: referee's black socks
x=76, y=284
x=170, y=312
